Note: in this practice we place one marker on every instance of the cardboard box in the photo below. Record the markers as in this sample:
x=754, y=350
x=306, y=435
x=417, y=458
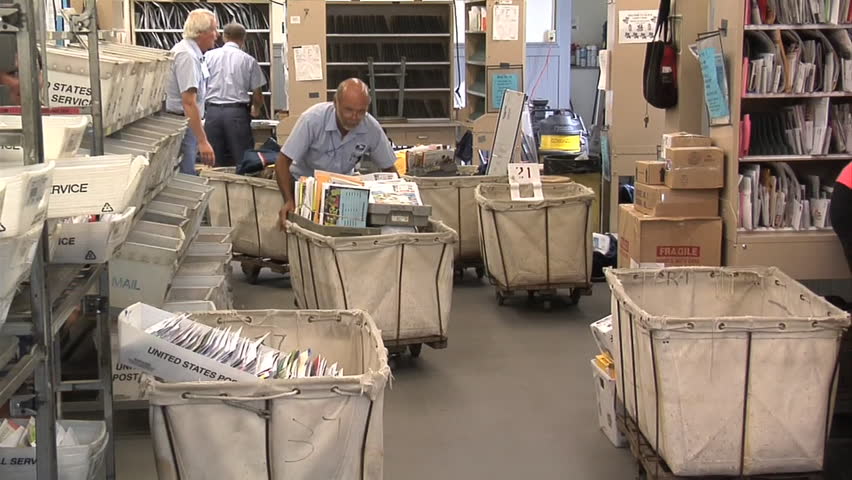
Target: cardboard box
x=694, y=167
x=662, y=201
x=646, y=241
x=683, y=139
x=650, y=173
x=605, y=394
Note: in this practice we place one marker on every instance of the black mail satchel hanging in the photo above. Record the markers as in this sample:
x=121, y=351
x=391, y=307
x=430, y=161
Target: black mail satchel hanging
x=659, y=80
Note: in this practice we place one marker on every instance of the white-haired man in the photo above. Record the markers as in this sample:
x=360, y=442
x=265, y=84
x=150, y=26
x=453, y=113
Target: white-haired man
x=186, y=87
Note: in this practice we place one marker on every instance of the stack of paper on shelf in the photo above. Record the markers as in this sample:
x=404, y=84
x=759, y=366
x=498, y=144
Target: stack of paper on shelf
x=772, y=197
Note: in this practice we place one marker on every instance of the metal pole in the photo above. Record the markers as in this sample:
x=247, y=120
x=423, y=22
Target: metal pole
x=95, y=79
x=105, y=363
x=46, y=468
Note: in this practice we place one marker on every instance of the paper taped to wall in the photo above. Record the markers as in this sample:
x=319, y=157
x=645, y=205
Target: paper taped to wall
x=307, y=60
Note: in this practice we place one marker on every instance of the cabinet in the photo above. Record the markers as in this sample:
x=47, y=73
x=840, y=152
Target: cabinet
x=389, y=39
x=160, y=25
x=803, y=253
x=490, y=67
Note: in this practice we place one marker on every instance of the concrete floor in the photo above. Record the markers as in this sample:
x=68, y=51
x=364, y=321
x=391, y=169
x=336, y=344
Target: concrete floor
x=511, y=397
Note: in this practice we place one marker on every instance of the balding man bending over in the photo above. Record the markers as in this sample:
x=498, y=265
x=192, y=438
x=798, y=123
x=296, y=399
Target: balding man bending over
x=332, y=136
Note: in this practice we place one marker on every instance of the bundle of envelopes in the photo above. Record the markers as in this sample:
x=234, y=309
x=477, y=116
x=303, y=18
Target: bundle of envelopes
x=801, y=61
x=172, y=15
x=815, y=127
x=229, y=347
x=798, y=12
x=772, y=197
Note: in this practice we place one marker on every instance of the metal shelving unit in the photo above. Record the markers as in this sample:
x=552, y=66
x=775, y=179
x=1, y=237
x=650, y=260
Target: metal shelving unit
x=54, y=292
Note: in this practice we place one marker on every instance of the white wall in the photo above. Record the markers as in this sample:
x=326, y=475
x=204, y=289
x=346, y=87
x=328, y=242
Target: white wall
x=588, y=19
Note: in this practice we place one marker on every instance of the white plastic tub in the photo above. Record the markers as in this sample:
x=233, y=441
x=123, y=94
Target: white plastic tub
x=95, y=185
x=91, y=242
x=16, y=258
x=26, y=199
x=143, y=268
x=80, y=462
x=214, y=235
x=220, y=295
x=196, y=306
x=727, y=371
x=62, y=136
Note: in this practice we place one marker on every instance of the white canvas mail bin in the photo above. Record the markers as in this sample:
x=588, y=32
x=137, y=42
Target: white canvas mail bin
x=326, y=428
x=453, y=202
x=68, y=71
x=250, y=206
x=536, y=244
x=220, y=295
x=26, y=198
x=91, y=242
x=77, y=462
x=16, y=258
x=727, y=371
x=62, y=136
x=404, y=280
x=95, y=185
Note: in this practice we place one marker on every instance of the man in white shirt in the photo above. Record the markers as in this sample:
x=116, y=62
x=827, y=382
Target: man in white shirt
x=233, y=74
x=186, y=86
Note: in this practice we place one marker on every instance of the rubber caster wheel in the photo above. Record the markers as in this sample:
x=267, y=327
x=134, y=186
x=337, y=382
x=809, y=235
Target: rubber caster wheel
x=251, y=272
x=547, y=305
x=414, y=349
x=501, y=299
x=575, y=296
x=480, y=272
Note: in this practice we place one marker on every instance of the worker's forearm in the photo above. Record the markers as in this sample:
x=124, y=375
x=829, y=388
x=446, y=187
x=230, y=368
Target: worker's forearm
x=282, y=175
x=257, y=100
x=190, y=110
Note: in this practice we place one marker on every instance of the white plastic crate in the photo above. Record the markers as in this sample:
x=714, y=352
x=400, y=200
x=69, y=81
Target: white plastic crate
x=16, y=258
x=197, y=306
x=143, y=269
x=91, y=242
x=62, y=136
x=200, y=268
x=738, y=363
x=26, y=198
x=605, y=396
x=214, y=235
x=220, y=295
x=95, y=185
x=80, y=462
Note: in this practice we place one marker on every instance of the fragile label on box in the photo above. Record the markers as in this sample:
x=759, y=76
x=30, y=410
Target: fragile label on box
x=647, y=241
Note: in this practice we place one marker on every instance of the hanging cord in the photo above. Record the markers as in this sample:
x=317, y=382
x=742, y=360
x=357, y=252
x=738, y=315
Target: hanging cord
x=541, y=73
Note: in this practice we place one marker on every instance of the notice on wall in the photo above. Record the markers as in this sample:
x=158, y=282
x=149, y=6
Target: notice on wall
x=501, y=82
x=308, y=62
x=506, y=22
x=636, y=26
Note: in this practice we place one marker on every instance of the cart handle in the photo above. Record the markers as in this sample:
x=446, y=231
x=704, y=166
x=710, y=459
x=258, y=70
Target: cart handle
x=194, y=396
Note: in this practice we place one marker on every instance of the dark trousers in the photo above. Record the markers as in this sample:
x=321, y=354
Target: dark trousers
x=228, y=129
x=840, y=213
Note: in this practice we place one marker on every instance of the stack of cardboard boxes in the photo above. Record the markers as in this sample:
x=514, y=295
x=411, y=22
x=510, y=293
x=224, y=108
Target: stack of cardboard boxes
x=675, y=218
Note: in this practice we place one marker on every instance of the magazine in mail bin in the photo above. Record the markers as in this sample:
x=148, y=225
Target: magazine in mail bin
x=250, y=206
x=411, y=288
x=76, y=462
x=62, y=136
x=86, y=242
x=541, y=244
x=727, y=371
x=258, y=413
x=26, y=198
x=452, y=200
x=95, y=185
x=16, y=256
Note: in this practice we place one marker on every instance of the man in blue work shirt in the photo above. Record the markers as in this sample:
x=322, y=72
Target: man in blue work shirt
x=233, y=74
x=186, y=86
x=332, y=136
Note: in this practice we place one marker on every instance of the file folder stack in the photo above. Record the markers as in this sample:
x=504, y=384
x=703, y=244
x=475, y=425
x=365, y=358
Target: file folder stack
x=675, y=219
